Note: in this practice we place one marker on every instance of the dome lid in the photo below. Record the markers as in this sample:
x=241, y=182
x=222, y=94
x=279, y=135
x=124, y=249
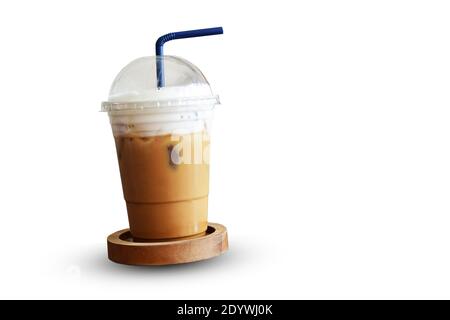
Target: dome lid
x=136, y=87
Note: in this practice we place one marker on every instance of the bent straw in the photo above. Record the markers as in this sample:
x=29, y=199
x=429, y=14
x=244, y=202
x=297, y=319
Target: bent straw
x=173, y=36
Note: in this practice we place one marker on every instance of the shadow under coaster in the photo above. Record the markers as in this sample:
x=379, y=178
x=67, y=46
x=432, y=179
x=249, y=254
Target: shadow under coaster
x=122, y=248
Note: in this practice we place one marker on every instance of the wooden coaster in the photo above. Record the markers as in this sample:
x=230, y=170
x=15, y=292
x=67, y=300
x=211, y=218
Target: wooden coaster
x=123, y=249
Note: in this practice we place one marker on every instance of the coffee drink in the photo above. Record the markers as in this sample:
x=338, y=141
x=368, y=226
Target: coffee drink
x=162, y=142
x=165, y=183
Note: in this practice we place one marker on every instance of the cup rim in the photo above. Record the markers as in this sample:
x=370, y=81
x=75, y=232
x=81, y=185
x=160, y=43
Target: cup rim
x=162, y=105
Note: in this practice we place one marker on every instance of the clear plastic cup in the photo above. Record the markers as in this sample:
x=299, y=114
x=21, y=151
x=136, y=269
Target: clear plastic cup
x=162, y=138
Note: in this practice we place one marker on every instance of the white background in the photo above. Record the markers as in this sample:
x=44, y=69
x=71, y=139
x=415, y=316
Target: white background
x=330, y=161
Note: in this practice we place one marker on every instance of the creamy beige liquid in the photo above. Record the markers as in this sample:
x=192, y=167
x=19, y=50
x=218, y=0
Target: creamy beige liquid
x=165, y=183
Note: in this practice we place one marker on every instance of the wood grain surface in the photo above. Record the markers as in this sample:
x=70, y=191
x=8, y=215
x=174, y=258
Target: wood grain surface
x=123, y=249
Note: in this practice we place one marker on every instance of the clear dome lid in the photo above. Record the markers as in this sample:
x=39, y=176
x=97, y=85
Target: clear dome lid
x=136, y=86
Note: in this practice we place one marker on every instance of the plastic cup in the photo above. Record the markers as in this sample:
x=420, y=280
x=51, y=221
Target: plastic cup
x=162, y=138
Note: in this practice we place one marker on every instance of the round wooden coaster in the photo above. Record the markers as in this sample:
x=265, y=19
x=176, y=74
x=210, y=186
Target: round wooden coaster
x=123, y=249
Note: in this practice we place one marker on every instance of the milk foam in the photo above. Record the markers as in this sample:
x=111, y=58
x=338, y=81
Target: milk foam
x=144, y=125
x=168, y=110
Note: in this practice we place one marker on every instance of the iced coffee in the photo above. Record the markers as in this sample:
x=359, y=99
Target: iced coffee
x=165, y=183
x=162, y=137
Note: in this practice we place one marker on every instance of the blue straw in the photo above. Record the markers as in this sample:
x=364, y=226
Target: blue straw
x=173, y=36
